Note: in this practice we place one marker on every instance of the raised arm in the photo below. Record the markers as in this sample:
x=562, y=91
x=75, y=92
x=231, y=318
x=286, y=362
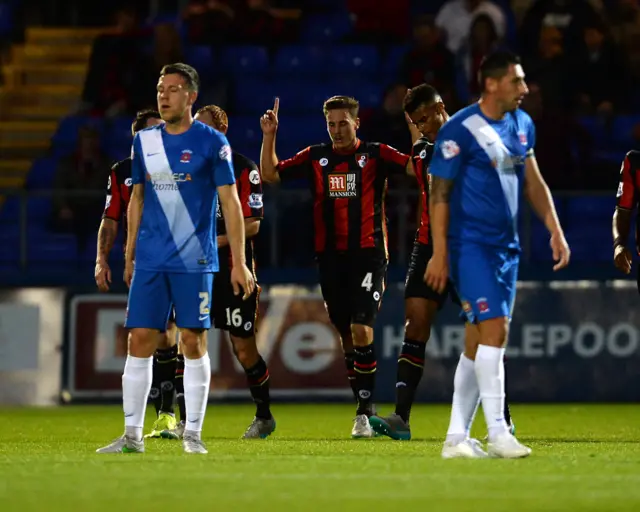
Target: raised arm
x=268, y=157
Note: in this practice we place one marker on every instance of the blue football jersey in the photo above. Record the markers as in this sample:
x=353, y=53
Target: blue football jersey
x=180, y=173
x=486, y=160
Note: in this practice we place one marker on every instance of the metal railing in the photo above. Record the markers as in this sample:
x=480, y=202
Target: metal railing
x=286, y=234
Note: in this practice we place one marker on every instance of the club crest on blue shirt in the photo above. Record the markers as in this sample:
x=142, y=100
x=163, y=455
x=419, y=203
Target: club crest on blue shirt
x=449, y=149
x=185, y=158
x=523, y=138
x=225, y=153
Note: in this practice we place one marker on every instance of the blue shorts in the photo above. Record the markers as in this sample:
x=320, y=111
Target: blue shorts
x=485, y=279
x=153, y=295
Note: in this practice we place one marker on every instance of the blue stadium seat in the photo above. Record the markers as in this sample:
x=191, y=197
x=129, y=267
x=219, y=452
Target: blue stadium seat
x=200, y=57
x=590, y=241
x=326, y=28
x=42, y=173
x=301, y=132
x=597, y=128
x=244, y=131
x=52, y=248
x=623, y=127
x=368, y=92
x=354, y=58
x=252, y=100
x=246, y=59
x=6, y=18
x=393, y=58
x=586, y=210
x=301, y=60
x=65, y=138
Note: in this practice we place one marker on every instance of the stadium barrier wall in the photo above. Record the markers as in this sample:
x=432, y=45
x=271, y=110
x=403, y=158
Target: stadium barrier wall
x=569, y=341
x=31, y=334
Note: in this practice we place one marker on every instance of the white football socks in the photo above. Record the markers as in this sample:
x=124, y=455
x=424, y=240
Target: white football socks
x=466, y=397
x=489, y=368
x=197, y=378
x=136, y=384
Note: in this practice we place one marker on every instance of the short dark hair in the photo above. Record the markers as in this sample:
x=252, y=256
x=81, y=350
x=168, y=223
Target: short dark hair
x=342, y=102
x=423, y=94
x=218, y=115
x=496, y=65
x=142, y=117
x=187, y=72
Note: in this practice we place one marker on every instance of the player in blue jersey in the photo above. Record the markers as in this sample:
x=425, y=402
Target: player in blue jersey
x=482, y=165
x=179, y=169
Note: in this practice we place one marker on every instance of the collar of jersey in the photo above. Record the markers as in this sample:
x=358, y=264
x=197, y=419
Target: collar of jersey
x=350, y=151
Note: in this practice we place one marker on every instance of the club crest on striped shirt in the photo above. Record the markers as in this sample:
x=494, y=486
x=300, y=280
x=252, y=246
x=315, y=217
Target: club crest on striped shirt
x=362, y=159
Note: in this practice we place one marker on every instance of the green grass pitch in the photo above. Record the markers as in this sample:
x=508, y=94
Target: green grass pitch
x=585, y=458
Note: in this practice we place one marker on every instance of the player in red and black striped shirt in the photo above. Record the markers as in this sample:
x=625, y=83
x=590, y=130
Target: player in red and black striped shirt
x=229, y=311
x=426, y=114
x=348, y=180
x=628, y=199
x=166, y=360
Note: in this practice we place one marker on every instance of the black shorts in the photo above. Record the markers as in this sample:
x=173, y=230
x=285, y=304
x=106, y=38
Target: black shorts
x=352, y=285
x=416, y=288
x=229, y=312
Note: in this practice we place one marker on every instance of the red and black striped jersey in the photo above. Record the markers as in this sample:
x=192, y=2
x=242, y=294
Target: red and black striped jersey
x=348, y=191
x=421, y=153
x=118, y=193
x=628, y=196
x=249, y=185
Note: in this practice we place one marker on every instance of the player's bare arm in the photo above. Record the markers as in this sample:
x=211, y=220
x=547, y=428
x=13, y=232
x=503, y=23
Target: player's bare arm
x=540, y=199
x=134, y=215
x=437, y=273
x=251, y=228
x=620, y=229
x=241, y=276
x=268, y=156
x=107, y=234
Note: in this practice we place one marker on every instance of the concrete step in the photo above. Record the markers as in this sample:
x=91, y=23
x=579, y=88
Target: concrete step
x=15, y=167
x=26, y=132
x=49, y=54
x=62, y=36
x=30, y=113
x=12, y=181
x=45, y=74
x=40, y=96
x=23, y=151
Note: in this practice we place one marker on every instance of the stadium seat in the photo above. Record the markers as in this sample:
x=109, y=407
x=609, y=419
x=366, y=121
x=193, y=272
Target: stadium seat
x=65, y=138
x=354, y=58
x=306, y=60
x=301, y=132
x=42, y=173
x=590, y=241
x=252, y=100
x=598, y=129
x=367, y=92
x=588, y=209
x=246, y=59
x=244, y=131
x=50, y=247
x=622, y=130
x=393, y=58
x=326, y=28
x=200, y=57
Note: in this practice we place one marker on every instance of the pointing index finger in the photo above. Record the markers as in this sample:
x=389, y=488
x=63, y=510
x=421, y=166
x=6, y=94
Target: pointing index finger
x=276, y=105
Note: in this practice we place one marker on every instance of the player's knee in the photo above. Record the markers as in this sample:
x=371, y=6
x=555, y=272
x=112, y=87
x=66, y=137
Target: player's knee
x=494, y=332
x=417, y=328
x=142, y=342
x=245, y=350
x=193, y=342
x=362, y=335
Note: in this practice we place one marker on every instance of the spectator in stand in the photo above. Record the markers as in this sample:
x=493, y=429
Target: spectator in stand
x=558, y=138
x=568, y=16
x=388, y=123
x=116, y=58
x=550, y=68
x=483, y=38
x=455, y=18
x=262, y=22
x=87, y=170
x=209, y=21
x=383, y=20
x=429, y=60
x=601, y=66
x=625, y=27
